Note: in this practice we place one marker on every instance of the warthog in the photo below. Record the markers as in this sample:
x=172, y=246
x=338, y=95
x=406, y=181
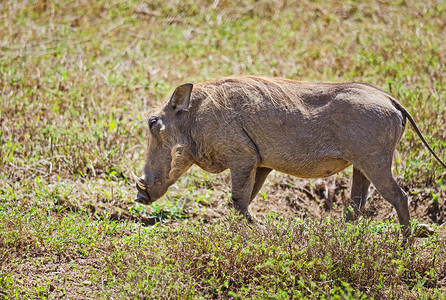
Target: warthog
x=252, y=125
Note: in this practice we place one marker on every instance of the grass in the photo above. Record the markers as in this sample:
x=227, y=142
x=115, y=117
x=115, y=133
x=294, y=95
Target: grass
x=277, y=258
x=77, y=79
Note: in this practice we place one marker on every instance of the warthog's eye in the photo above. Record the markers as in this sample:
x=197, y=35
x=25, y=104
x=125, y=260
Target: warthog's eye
x=152, y=121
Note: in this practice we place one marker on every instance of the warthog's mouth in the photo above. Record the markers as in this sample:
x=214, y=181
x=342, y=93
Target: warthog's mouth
x=142, y=196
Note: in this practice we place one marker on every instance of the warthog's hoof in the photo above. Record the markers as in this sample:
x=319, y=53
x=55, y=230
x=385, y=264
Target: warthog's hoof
x=423, y=230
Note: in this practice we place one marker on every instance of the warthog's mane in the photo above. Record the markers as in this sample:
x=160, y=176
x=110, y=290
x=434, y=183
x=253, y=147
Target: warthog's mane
x=224, y=92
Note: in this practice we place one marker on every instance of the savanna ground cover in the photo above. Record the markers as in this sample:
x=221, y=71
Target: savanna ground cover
x=77, y=82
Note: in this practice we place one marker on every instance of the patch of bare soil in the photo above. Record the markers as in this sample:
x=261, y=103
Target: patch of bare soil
x=320, y=198
x=65, y=276
x=328, y=197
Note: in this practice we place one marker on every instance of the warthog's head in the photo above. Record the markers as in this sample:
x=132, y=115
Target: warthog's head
x=169, y=151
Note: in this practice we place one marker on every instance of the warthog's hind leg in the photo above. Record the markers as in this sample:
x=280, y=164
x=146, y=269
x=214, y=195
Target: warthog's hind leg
x=261, y=175
x=360, y=187
x=380, y=174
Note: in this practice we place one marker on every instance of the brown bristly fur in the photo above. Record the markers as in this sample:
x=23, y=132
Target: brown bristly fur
x=252, y=125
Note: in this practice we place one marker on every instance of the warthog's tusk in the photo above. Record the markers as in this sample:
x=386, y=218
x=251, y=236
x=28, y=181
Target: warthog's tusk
x=138, y=182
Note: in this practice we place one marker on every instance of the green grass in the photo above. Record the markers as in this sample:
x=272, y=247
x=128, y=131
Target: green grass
x=77, y=80
x=277, y=258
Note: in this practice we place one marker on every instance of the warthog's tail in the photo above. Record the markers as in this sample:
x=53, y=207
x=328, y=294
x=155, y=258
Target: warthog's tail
x=417, y=130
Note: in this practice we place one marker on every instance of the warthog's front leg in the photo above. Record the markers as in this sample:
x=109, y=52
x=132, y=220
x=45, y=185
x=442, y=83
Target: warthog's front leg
x=243, y=180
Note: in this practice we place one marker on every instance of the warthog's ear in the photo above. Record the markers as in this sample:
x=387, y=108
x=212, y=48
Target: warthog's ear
x=180, y=99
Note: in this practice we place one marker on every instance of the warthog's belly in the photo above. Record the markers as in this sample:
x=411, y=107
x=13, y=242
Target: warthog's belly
x=322, y=167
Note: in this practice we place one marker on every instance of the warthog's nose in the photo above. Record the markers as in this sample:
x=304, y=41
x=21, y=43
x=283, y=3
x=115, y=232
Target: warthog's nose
x=142, y=196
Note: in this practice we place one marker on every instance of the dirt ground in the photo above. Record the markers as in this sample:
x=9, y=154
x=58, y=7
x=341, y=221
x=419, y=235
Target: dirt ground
x=321, y=198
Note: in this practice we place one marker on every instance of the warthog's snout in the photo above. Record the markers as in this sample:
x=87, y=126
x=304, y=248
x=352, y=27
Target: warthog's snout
x=142, y=196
